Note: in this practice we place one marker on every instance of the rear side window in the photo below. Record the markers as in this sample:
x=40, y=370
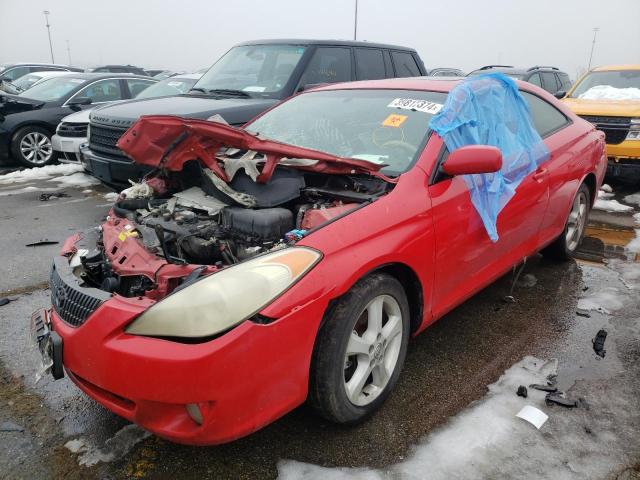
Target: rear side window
x=405, y=64
x=328, y=65
x=549, y=82
x=565, y=82
x=546, y=118
x=535, y=79
x=369, y=64
x=137, y=85
x=102, y=91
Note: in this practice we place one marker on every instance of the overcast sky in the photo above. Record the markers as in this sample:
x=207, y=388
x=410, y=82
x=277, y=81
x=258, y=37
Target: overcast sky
x=191, y=34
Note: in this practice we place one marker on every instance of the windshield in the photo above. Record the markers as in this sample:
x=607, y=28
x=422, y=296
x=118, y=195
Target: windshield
x=169, y=86
x=614, y=78
x=26, y=81
x=380, y=126
x=53, y=89
x=260, y=70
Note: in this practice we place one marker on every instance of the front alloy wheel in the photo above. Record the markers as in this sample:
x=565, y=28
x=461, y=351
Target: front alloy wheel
x=32, y=147
x=360, y=350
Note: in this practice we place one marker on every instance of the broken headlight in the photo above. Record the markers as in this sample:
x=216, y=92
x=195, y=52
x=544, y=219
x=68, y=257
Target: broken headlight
x=224, y=299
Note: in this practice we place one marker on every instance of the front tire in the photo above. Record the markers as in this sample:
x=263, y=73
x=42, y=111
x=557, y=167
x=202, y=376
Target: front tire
x=564, y=247
x=31, y=146
x=360, y=350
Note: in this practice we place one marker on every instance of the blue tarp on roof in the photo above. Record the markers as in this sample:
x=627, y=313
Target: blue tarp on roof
x=489, y=110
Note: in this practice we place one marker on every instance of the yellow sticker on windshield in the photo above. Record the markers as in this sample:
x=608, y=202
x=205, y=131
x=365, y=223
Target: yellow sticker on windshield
x=394, y=120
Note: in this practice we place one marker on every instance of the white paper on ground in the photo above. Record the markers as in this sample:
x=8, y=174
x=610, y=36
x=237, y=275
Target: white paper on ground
x=533, y=415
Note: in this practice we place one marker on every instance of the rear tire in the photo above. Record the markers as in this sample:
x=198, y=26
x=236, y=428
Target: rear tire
x=360, y=350
x=564, y=247
x=31, y=146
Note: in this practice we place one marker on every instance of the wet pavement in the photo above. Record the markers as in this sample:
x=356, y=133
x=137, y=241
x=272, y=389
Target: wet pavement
x=448, y=369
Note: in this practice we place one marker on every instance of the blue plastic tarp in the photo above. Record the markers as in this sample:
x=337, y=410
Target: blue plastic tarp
x=488, y=109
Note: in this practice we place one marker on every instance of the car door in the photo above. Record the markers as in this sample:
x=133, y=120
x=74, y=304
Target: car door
x=405, y=64
x=369, y=64
x=327, y=65
x=549, y=82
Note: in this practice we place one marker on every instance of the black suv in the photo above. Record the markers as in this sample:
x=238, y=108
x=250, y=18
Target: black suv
x=245, y=81
x=550, y=78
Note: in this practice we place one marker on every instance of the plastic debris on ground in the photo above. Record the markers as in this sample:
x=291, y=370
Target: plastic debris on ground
x=489, y=110
x=533, y=415
x=611, y=206
x=522, y=391
x=45, y=197
x=111, y=196
x=598, y=343
x=138, y=190
x=44, y=241
x=607, y=92
x=559, y=398
x=4, y=301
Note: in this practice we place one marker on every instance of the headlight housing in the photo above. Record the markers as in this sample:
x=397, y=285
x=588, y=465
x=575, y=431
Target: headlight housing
x=634, y=130
x=224, y=299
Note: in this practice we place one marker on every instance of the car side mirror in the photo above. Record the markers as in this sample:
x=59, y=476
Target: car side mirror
x=79, y=101
x=560, y=94
x=308, y=86
x=473, y=159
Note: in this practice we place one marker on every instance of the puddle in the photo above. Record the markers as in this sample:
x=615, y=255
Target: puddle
x=602, y=242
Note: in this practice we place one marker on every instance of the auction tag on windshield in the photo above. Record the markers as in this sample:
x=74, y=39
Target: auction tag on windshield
x=394, y=120
x=416, y=105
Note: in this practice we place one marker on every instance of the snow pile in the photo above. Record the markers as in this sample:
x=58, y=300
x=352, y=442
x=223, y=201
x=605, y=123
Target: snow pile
x=633, y=198
x=607, y=92
x=606, y=188
x=636, y=218
x=114, y=448
x=602, y=194
x=40, y=173
x=611, y=206
x=111, y=196
x=469, y=445
x=604, y=301
x=78, y=179
x=634, y=245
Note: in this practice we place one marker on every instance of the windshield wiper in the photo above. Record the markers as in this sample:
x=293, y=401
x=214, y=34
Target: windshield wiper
x=198, y=90
x=228, y=91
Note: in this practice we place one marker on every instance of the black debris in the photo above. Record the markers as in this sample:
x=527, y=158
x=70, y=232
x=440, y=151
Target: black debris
x=45, y=197
x=509, y=299
x=598, y=343
x=559, y=399
x=4, y=301
x=584, y=289
x=544, y=388
x=522, y=391
x=44, y=241
x=9, y=426
x=583, y=314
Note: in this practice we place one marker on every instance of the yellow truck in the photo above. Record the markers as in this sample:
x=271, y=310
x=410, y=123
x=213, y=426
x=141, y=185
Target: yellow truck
x=609, y=97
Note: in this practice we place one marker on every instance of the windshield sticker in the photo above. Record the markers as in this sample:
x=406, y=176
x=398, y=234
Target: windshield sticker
x=76, y=80
x=254, y=89
x=174, y=84
x=424, y=106
x=394, y=120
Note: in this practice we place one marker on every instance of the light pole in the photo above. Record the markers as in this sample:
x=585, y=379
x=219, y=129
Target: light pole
x=46, y=17
x=69, y=52
x=593, y=45
x=355, y=23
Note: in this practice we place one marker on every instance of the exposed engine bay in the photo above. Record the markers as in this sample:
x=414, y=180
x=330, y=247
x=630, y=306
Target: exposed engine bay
x=175, y=226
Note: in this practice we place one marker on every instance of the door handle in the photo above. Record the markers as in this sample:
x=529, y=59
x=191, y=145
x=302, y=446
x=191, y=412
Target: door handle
x=539, y=174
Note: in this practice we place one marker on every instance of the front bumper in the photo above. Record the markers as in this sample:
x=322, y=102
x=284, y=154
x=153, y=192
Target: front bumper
x=113, y=172
x=624, y=160
x=240, y=381
x=68, y=148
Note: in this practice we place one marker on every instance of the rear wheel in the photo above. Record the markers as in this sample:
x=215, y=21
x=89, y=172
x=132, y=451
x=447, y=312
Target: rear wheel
x=564, y=247
x=31, y=146
x=360, y=350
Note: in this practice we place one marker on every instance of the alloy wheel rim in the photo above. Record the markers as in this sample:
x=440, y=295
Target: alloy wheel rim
x=373, y=350
x=36, y=148
x=577, y=221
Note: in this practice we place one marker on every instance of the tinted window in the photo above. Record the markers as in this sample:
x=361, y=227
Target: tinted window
x=137, y=85
x=549, y=82
x=369, y=64
x=535, y=79
x=546, y=117
x=405, y=64
x=328, y=65
x=15, y=73
x=102, y=91
x=565, y=82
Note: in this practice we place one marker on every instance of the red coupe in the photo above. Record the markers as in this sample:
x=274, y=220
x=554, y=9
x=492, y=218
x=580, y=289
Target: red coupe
x=255, y=269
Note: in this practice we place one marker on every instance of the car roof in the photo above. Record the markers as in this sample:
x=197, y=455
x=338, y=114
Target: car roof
x=503, y=69
x=607, y=68
x=101, y=75
x=306, y=41
x=185, y=76
x=35, y=64
x=117, y=66
x=435, y=84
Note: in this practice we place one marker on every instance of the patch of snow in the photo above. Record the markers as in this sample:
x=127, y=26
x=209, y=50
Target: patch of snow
x=603, y=194
x=88, y=190
x=634, y=245
x=634, y=198
x=111, y=196
x=114, y=448
x=606, y=188
x=611, y=206
x=78, y=179
x=607, y=92
x=40, y=173
x=636, y=218
x=604, y=301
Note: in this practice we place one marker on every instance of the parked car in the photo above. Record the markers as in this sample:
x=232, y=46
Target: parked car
x=445, y=72
x=28, y=120
x=292, y=258
x=30, y=79
x=609, y=97
x=153, y=73
x=72, y=130
x=550, y=78
x=120, y=69
x=12, y=71
x=247, y=80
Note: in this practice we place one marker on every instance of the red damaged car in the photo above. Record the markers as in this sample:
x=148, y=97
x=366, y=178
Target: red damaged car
x=291, y=260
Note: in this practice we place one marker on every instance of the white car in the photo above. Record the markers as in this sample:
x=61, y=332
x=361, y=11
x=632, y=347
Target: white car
x=27, y=81
x=72, y=131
